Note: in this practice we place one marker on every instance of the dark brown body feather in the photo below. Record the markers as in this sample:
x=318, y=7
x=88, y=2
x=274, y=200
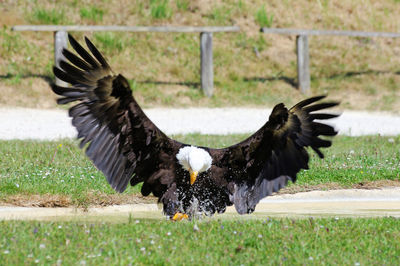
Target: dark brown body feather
x=128, y=148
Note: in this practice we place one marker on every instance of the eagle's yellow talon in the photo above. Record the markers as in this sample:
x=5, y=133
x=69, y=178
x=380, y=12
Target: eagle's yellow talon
x=180, y=216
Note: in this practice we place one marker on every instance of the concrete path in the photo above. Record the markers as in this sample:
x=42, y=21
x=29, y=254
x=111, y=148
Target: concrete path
x=24, y=123
x=337, y=203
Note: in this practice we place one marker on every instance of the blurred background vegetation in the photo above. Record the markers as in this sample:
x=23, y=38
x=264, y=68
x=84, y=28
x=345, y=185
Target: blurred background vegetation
x=250, y=68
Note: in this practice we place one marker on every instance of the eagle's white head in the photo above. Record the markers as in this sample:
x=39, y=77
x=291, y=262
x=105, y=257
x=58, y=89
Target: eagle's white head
x=195, y=160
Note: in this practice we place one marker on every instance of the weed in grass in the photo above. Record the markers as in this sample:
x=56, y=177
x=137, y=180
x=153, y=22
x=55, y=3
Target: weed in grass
x=260, y=43
x=159, y=9
x=241, y=5
x=11, y=43
x=370, y=90
x=48, y=16
x=81, y=201
x=183, y=5
x=92, y=13
x=193, y=94
x=387, y=101
x=110, y=42
x=133, y=84
x=264, y=19
x=323, y=4
x=138, y=7
x=220, y=15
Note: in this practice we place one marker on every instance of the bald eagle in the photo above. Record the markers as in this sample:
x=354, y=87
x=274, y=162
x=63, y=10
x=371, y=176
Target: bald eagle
x=128, y=148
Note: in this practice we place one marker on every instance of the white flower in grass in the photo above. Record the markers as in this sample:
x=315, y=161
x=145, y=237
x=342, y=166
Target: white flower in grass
x=17, y=185
x=196, y=228
x=42, y=246
x=6, y=252
x=169, y=233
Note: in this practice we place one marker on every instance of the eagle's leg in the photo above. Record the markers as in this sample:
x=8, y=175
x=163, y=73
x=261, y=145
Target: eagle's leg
x=179, y=216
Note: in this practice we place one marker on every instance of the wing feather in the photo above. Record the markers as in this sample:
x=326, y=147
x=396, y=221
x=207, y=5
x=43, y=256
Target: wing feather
x=119, y=138
x=267, y=160
x=83, y=53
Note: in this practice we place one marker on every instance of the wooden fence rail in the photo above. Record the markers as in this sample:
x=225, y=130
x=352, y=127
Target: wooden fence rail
x=206, y=55
x=303, y=70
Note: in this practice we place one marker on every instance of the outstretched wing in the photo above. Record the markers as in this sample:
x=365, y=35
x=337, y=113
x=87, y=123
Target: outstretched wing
x=121, y=141
x=267, y=160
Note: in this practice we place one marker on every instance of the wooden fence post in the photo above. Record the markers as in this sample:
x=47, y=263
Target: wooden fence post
x=60, y=42
x=206, y=54
x=303, y=69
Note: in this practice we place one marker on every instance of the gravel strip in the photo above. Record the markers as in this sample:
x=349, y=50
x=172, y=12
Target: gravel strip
x=25, y=123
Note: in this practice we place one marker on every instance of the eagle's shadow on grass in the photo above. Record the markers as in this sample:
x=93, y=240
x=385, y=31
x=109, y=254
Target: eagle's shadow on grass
x=49, y=80
x=195, y=85
x=291, y=81
x=359, y=73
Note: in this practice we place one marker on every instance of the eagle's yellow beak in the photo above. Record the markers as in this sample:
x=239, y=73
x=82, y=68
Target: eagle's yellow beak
x=193, y=176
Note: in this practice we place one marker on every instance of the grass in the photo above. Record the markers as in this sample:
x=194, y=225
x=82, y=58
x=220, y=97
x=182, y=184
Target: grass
x=47, y=16
x=263, y=19
x=220, y=14
x=252, y=242
x=111, y=42
x=92, y=13
x=183, y=5
x=60, y=168
x=159, y=9
x=250, y=68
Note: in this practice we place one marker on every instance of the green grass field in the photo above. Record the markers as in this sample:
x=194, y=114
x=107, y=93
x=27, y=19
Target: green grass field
x=257, y=242
x=61, y=168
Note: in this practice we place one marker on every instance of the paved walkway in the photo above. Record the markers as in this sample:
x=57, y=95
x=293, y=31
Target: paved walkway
x=24, y=123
